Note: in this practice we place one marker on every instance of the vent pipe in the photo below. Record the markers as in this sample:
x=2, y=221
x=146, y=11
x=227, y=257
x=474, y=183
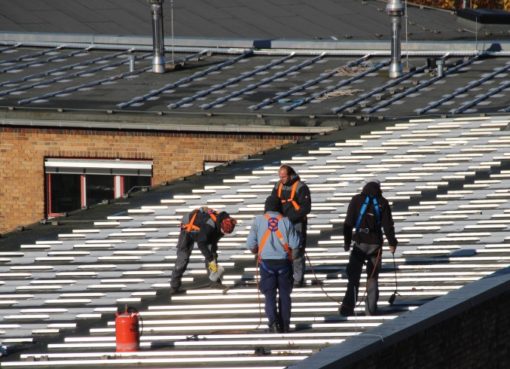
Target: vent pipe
x=395, y=10
x=158, y=42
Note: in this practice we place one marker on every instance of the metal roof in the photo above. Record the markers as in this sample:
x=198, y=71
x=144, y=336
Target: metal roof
x=252, y=83
x=447, y=180
x=263, y=19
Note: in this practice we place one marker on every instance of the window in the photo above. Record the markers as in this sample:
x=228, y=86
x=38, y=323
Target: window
x=98, y=188
x=63, y=192
x=134, y=184
x=72, y=184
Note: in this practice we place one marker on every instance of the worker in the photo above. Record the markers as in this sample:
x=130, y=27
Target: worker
x=296, y=205
x=273, y=238
x=368, y=213
x=206, y=227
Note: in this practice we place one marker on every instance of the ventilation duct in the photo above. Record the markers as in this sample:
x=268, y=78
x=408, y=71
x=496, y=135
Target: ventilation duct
x=158, y=42
x=395, y=10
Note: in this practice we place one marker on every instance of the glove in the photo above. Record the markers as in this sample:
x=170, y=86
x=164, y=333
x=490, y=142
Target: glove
x=347, y=247
x=212, y=266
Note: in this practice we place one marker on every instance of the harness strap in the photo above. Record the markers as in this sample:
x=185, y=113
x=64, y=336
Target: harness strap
x=292, y=195
x=377, y=211
x=363, y=210
x=273, y=228
x=212, y=214
x=190, y=227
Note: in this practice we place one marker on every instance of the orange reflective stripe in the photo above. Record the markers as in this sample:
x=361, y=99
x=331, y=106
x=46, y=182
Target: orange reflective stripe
x=280, y=190
x=213, y=217
x=279, y=234
x=191, y=226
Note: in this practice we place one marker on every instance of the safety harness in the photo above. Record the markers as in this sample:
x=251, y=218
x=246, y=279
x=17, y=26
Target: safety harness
x=191, y=227
x=272, y=227
x=292, y=195
x=363, y=210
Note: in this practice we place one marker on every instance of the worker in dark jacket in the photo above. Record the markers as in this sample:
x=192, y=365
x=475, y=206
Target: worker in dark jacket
x=296, y=205
x=368, y=213
x=206, y=227
x=274, y=239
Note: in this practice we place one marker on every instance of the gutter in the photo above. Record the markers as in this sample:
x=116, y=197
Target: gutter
x=167, y=127
x=261, y=46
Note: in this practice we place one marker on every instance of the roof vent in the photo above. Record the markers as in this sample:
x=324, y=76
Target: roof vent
x=158, y=42
x=395, y=10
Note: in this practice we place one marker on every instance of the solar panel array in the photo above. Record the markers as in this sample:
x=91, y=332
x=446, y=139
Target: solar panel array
x=246, y=82
x=448, y=181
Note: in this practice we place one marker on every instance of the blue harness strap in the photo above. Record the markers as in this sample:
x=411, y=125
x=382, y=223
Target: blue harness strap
x=363, y=210
x=377, y=211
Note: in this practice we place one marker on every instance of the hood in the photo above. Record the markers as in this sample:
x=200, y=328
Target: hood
x=293, y=178
x=372, y=189
x=273, y=203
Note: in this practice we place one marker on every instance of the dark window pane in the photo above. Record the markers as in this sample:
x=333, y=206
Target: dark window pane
x=99, y=188
x=133, y=184
x=65, y=193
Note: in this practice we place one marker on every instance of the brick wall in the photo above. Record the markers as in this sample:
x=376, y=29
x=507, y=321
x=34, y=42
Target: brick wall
x=478, y=338
x=174, y=155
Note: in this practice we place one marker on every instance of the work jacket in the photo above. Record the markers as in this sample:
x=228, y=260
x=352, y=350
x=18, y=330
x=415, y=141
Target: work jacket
x=206, y=230
x=273, y=248
x=371, y=231
x=300, y=207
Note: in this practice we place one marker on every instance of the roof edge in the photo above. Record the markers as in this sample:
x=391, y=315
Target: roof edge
x=165, y=126
x=238, y=44
x=407, y=325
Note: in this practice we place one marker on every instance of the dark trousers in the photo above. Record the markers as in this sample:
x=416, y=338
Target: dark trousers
x=298, y=255
x=276, y=278
x=359, y=254
x=184, y=247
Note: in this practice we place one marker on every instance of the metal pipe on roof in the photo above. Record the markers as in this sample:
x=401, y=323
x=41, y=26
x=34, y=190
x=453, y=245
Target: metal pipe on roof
x=395, y=10
x=158, y=42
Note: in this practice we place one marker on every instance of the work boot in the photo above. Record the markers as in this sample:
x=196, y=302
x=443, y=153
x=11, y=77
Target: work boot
x=175, y=290
x=346, y=310
x=216, y=284
x=285, y=329
x=272, y=328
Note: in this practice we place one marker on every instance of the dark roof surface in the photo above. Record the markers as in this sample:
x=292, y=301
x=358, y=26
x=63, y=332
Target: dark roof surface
x=325, y=19
x=245, y=83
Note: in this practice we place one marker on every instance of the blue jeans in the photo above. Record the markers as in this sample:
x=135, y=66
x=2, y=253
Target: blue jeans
x=276, y=277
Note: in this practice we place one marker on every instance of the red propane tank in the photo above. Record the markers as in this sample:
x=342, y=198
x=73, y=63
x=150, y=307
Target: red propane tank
x=127, y=334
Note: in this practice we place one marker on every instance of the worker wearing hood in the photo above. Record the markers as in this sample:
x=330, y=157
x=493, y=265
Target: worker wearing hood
x=369, y=213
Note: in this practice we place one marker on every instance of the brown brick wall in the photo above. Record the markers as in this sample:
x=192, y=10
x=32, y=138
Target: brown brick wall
x=174, y=155
x=476, y=339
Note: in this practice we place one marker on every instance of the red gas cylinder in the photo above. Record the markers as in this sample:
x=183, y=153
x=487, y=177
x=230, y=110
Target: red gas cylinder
x=127, y=335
